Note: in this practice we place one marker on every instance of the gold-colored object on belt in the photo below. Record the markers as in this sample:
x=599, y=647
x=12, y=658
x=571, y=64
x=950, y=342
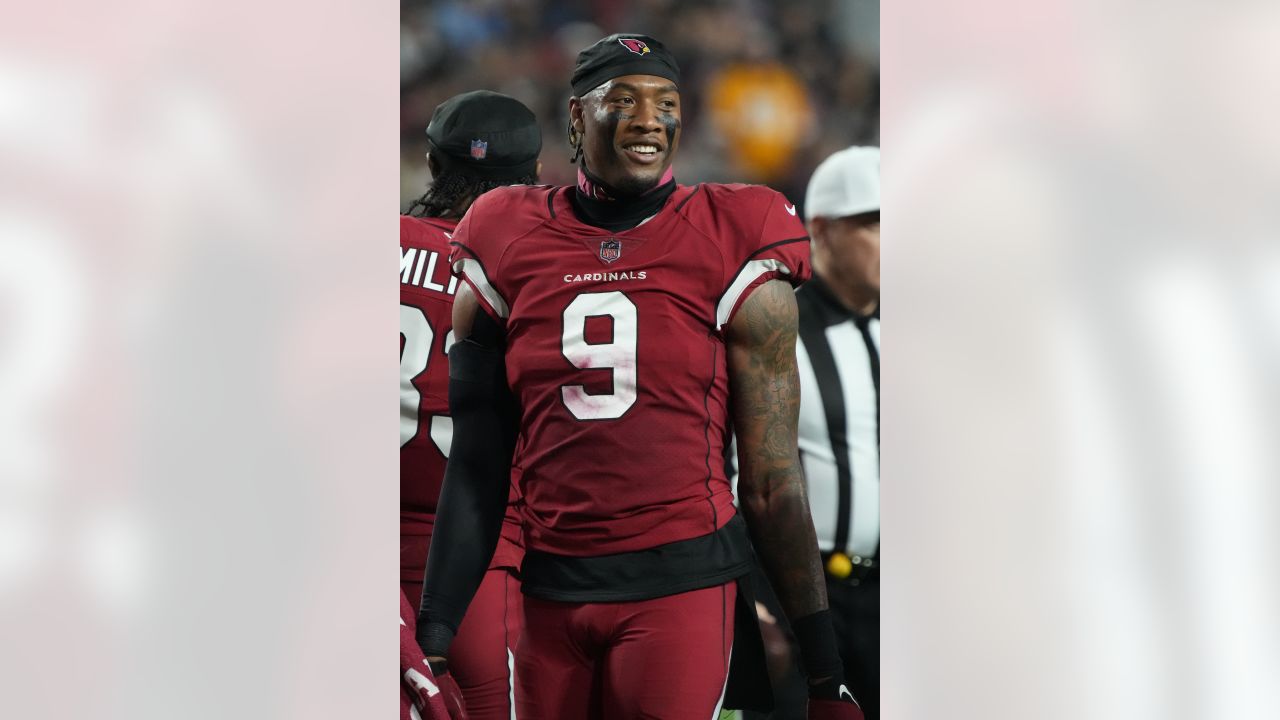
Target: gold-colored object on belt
x=839, y=565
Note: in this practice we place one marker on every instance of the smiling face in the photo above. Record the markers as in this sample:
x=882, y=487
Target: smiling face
x=630, y=130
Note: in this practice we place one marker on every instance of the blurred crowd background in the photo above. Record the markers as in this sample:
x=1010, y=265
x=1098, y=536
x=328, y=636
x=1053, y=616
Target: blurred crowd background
x=769, y=89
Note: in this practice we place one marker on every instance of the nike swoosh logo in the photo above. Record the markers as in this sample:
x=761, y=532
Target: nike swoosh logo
x=789, y=208
x=844, y=693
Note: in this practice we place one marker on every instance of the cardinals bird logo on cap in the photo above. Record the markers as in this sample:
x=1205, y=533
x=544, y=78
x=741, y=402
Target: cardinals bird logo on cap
x=479, y=148
x=636, y=46
x=610, y=250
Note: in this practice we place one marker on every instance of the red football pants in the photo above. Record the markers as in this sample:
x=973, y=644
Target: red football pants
x=481, y=654
x=666, y=658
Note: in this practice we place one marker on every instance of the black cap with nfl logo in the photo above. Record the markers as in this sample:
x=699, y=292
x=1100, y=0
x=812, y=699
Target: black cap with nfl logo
x=486, y=135
x=622, y=54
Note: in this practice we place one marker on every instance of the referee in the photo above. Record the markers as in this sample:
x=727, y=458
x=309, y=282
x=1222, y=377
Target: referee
x=838, y=355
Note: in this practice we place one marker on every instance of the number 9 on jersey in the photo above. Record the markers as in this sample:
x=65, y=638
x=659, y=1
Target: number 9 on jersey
x=618, y=355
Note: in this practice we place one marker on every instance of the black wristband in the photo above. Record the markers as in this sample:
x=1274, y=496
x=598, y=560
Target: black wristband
x=434, y=639
x=817, y=639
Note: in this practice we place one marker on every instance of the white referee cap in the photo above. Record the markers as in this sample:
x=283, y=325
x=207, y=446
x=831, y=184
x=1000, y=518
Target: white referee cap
x=847, y=183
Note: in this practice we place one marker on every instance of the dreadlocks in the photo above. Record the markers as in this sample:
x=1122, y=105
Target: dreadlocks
x=575, y=142
x=449, y=189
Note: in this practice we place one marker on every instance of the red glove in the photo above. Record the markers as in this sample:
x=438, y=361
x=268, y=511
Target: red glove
x=434, y=697
x=832, y=700
x=423, y=694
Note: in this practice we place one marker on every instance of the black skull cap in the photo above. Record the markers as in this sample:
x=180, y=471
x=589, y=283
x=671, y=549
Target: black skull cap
x=622, y=54
x=486, y=135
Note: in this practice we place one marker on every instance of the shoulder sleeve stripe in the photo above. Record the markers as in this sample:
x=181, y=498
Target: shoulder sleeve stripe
x=456, y=265
x=463, y=248
x=750, y=272
x=773, y=245
x=696, y=188
x=770, y=246
x=473, y=270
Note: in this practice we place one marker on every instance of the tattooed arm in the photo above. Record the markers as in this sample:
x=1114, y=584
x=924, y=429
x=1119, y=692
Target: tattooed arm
x=764, y=389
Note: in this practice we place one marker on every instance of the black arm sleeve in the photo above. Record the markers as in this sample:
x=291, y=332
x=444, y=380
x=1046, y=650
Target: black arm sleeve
x=476, y=487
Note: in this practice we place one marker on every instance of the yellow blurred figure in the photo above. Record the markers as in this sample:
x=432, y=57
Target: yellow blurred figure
x=764, y=115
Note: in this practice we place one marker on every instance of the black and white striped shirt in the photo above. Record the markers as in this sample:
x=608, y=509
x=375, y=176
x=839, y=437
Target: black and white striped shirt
x=838, y=355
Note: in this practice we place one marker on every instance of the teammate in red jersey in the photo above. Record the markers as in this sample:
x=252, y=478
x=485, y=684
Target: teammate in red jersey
x=619, y=327
x=479, y=141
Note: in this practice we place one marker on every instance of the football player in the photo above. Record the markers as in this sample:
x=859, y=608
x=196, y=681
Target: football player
x=478, y=141
x=618, y=328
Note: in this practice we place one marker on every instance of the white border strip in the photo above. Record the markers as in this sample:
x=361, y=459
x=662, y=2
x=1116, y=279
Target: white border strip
x=511, y=679
x=471, y=268
x=749, y=274
x=715, y=714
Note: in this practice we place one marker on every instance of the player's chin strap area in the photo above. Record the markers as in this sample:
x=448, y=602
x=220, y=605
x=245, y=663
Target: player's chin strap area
x=621, y=213
x=474, y=498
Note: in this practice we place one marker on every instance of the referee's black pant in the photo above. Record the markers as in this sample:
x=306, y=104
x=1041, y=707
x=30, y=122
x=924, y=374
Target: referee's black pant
x=855, y=612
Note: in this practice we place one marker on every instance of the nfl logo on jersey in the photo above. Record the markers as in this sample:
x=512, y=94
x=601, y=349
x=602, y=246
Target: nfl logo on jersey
x=479, y=148
x=610, y=250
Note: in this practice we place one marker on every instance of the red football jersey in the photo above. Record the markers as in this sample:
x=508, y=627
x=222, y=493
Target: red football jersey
x=616, y=353
x=426, y=319
x=427, y=289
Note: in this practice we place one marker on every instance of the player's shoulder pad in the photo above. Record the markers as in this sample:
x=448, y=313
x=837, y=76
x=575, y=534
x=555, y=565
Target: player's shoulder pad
x=426, y=232
x=502, y=215
x=493, y=223
x=750, y=216
x=515, y=203
x=739, y=194
x=760, y=239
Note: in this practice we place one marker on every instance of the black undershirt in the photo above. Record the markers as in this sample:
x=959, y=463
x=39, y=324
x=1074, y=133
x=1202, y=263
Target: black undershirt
x=681, y=566
x=620, y=213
